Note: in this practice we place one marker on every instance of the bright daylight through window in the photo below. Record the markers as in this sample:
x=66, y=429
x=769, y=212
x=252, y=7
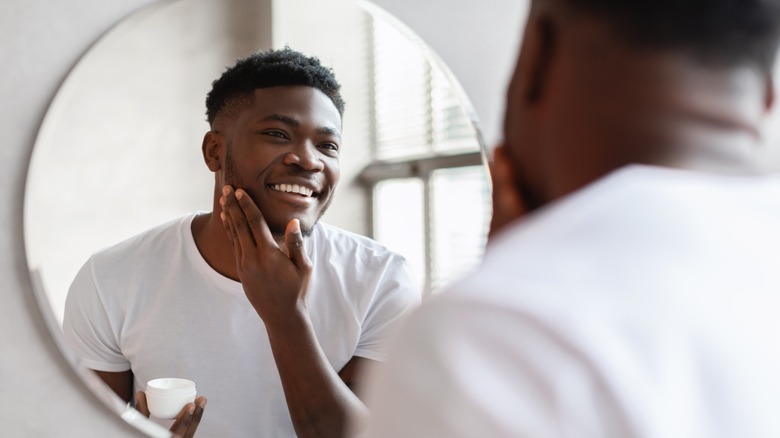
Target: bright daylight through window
x=428, y=165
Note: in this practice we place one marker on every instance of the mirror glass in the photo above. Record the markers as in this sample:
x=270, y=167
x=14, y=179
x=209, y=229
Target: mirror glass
x=119, y=149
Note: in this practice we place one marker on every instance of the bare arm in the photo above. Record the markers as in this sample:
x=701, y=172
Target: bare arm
x=319, y=401
x=121, y=383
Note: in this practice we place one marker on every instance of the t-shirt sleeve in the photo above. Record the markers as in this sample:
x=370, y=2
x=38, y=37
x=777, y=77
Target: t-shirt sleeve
x=87, y=325
x=396, y=295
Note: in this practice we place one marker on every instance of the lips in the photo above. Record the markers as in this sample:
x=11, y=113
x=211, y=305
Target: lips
x=293, y=188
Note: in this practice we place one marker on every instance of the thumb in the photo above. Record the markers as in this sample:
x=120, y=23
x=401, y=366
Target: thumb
x=293, y=239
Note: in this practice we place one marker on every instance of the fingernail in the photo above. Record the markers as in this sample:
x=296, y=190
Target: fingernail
x=222, y=201
x=225, y=190
x=222, y=215
x=239, y=194
x=191, y=410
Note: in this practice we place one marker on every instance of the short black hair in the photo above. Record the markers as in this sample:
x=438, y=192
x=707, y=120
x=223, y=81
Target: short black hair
x=724, y=33
x=271, y=68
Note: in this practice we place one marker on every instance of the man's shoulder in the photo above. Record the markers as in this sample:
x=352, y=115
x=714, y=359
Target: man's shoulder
x=154, y=239
x=625, y=232
x=333, y=238
x=633, y=200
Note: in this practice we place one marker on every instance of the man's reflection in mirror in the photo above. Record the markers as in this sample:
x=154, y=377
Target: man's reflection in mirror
x=270, y=312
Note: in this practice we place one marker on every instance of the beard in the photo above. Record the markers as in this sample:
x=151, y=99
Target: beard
x=233, y=179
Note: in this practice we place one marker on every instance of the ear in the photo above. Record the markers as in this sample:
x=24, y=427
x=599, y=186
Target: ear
x=213, y=150
x=535, y=60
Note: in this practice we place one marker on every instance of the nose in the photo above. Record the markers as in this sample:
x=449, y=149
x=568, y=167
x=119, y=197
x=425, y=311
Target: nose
x=304, y=155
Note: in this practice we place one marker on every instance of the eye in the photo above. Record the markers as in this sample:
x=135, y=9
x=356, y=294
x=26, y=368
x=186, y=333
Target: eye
x=329, y=146
x=275, y=133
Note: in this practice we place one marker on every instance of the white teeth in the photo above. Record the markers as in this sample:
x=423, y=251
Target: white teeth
x=293, y=188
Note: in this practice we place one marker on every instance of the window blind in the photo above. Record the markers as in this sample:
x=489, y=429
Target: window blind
x=435, y=213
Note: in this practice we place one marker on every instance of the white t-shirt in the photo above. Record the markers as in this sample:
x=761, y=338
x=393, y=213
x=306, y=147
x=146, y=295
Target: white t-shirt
x=152, y=304
x=644, y=305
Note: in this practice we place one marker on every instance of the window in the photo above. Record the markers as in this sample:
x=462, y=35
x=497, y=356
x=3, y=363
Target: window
x=427, y=163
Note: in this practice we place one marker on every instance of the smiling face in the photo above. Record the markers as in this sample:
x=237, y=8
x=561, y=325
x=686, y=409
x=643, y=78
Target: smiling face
x=282, y=147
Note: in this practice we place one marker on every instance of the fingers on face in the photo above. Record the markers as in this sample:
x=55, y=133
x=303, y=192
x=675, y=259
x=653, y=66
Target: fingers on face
x=234, y=221
x=246, y=222
x=227, y=223
x=293, y=238
x=255, y=220
x=292, y=234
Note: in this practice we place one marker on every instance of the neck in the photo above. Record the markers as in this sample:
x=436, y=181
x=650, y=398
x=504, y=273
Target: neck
x=213, y=242
x=663, y=110
x=693, y=118
x=214, y=245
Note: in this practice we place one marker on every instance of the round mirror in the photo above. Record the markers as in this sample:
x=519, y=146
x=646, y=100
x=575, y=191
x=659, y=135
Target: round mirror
x=119, y=149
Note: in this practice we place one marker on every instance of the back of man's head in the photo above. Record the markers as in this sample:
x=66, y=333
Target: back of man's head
x=604, y=83
x=716, y=32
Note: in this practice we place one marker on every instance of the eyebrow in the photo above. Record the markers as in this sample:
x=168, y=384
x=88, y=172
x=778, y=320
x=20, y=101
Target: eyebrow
x=295, y=123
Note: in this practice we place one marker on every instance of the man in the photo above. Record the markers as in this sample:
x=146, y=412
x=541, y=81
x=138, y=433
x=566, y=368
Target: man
x=272, y=313
x=636, y=294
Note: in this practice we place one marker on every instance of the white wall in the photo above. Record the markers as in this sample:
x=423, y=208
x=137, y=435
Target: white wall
x=120, y=148
x=40, y=395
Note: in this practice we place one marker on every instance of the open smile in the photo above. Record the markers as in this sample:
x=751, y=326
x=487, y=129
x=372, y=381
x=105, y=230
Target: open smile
x=293, y=188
